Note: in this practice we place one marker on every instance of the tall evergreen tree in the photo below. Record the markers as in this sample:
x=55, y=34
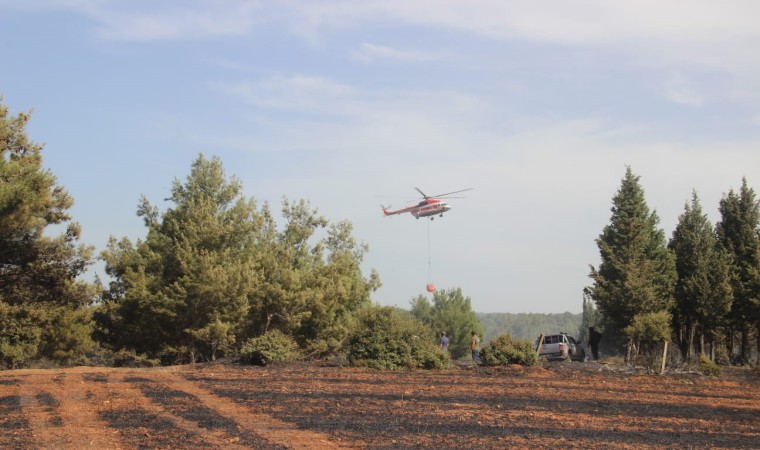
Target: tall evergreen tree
x=703, y=291
x=451, y=312
x=192, y=273
x=39, y=285
x=737, y=232
x=637, y=271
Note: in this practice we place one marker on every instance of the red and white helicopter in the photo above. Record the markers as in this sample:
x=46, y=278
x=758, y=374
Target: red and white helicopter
x=430, y=206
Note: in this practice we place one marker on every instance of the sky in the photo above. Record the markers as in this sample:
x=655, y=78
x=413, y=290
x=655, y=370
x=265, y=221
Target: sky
x=538, y=106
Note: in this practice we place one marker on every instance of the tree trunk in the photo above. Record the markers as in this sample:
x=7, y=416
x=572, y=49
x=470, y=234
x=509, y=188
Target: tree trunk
x=692, y=330
x=702, y=344
x=730, y=344
x=757, y=360
x=633, y=351
x=269, y=321
x=682, y=340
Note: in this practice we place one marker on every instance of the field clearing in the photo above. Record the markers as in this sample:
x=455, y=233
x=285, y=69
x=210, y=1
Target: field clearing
x=308, y=406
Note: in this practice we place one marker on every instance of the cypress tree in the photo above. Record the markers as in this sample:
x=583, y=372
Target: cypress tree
x=637, y=271
x=703, y=291
x=737, y=232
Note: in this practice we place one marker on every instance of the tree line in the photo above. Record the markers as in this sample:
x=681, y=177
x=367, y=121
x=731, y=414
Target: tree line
x=529, y=325
x=216, y=274
x=699, y=289
x=216, y=271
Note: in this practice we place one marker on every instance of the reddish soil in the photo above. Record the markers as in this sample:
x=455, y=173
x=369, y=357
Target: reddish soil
x=224, y=405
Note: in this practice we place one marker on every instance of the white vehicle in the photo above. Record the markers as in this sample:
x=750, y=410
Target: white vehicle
x=560, y=347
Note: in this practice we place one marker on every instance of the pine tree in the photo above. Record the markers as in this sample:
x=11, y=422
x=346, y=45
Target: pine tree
x=338, y=288
x=193, y=273
x=737, y=232
x=703, y=291
x=215, y=264
x=637, y=272
x=38, y=274
x=451, y=312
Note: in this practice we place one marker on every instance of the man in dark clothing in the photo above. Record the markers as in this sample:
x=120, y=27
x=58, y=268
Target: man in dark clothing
x=593, y=341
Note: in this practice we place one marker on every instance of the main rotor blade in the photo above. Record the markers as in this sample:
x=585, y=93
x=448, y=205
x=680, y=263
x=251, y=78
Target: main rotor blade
x=449, y=193
x=423, y=194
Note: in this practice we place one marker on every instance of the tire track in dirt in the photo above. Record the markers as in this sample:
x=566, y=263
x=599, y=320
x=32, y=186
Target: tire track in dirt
x=275, y=431
x=63, y=418
x=14, y=427
x=145, y=422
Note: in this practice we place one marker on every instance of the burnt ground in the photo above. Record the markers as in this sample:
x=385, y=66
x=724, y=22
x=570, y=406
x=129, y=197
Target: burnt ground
x=305, y=406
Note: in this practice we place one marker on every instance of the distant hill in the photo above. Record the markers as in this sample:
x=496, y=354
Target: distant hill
x=528, y=325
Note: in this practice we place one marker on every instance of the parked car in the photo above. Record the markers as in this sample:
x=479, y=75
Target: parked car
x=560, y=347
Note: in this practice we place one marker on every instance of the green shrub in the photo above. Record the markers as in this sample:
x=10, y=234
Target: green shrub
x=504, y=350
x=388, y=338
x=721, y=355
x=708, y=367
x=271, y=347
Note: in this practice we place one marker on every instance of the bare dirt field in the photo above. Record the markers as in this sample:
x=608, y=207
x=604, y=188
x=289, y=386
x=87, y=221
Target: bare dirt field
x=225, y=405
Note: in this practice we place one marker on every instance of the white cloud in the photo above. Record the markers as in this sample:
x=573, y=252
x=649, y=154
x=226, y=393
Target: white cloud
x=230, y=18
x=300, y=93
x=146, y=21
x=370, y=53
x=679, y=90
x=718, y=35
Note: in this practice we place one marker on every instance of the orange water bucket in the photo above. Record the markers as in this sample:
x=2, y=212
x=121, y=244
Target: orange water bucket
x=431, y=287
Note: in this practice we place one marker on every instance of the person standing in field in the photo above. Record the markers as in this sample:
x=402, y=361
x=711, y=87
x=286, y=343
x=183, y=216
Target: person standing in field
x=475, y=346
x=593, y=341
x=444, y=342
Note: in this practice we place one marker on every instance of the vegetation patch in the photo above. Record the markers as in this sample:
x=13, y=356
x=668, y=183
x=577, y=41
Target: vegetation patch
x=386, y=338
x=504, y=350
x=708, y=367
x=271, y=347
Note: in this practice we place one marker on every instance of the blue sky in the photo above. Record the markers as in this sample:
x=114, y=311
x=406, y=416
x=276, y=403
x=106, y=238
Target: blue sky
x=539, y=106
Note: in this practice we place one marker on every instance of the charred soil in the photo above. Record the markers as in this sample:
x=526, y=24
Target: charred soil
x=310, y=406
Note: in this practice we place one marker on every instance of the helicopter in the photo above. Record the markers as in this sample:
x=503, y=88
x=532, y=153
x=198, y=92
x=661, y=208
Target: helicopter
x=429, y=206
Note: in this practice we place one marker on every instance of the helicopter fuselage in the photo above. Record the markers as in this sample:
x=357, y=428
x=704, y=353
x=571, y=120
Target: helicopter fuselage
x=428, y=207
x=425, y=208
